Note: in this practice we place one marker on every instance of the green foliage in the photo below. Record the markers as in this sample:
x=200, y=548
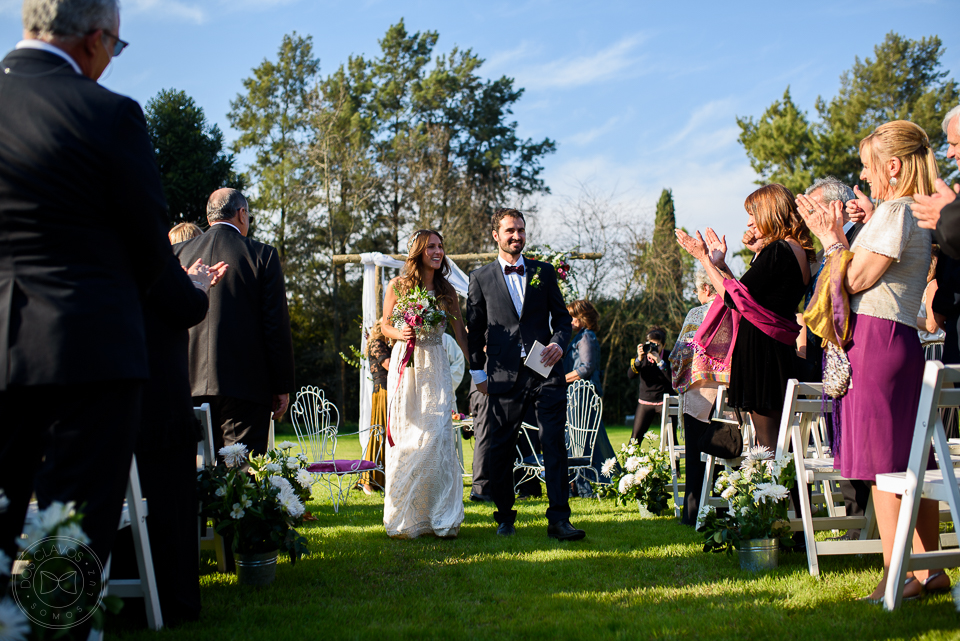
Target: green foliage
x=189, y=154
x=639, y=476
x=904, y=81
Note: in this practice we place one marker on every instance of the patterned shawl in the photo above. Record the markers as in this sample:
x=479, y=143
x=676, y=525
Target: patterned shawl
x=828, y=314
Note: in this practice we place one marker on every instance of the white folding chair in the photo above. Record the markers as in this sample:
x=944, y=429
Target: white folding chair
x=316, y=421
x=941, y=484
x=584, y=413
x=721, y=413
x=673, y=407
x=803, y=409
x=209, y=538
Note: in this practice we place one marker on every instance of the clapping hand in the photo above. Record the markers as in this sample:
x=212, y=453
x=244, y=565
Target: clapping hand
x=718, y=248
x=696, y=247
x=206, y=276
x=927, y=209
x=859, y=209
x=825, y=223
x=751, y=241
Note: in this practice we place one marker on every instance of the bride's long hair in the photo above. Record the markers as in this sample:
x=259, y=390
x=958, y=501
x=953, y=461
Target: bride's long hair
x=411, y=275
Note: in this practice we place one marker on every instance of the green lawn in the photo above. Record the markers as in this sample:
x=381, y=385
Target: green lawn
x=629, y=579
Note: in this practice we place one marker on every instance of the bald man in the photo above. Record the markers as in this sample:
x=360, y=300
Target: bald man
x=241, y=355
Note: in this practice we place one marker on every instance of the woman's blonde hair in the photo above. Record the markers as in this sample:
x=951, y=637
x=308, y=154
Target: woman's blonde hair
x=183, y=232
x=376, y=334
x=909, y=143
x=411, y=276
x=774, y=210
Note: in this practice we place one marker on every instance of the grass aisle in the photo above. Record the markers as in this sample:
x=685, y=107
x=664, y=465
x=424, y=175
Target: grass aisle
x=631, y=578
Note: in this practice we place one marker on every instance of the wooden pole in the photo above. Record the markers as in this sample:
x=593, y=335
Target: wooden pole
x=378, y=289
x=341, y=259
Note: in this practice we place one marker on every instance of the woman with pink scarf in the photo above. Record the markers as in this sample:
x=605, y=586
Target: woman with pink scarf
x=750, y=326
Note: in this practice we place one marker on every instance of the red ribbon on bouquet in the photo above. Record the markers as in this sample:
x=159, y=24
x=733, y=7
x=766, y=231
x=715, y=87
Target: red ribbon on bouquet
x=407, y=360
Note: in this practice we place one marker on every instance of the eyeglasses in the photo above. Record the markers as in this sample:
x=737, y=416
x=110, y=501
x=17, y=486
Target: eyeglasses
x=119, y=46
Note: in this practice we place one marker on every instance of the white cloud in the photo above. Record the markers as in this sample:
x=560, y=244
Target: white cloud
x=616, y=61
x=715, y=110
x=586, y=137
x=504, y=58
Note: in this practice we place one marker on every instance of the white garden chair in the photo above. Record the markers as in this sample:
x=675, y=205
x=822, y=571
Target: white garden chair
x=316, y=421
x=673, y=407
x=584, y=413
x=941, y=484
x=721, y=412
x=529, y=464
x=209, y=538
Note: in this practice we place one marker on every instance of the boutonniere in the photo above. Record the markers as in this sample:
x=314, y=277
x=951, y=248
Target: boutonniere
x=535, y=279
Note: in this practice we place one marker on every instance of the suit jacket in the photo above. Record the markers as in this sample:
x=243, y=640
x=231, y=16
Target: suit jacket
x=243, y=348
x=82, y=226
x=172, y=306
x=947, y=233
x=493, y=322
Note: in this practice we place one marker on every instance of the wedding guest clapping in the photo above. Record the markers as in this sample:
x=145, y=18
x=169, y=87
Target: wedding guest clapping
x=885, y=278
x=763, y=304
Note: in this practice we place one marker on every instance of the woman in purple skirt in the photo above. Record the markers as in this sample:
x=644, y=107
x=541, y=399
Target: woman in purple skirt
x=885, y=280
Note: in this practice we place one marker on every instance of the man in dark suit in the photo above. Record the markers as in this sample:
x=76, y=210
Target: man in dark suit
x=82, y=234
x=511, y=303
x=241, y=354
x=940, y=212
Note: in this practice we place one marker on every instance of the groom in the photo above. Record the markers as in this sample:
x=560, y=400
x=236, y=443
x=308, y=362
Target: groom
x=513, y=302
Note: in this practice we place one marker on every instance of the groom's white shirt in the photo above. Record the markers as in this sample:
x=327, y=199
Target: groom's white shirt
x=517, y=286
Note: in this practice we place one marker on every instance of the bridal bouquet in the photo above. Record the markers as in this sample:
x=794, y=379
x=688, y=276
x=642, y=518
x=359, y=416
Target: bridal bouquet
x=643, y=476
x=418, y=309
x=757, y=495
x=260, y=508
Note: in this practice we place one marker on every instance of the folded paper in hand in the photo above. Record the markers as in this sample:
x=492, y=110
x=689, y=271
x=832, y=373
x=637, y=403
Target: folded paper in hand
x=533, y=360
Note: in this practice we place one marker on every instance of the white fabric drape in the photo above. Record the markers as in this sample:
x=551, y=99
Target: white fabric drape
x=370, y=262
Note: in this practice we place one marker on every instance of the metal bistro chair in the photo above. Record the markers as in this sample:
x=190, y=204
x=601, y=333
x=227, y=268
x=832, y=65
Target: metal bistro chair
x=316, y=421
x=529, y=463
x=584, y=412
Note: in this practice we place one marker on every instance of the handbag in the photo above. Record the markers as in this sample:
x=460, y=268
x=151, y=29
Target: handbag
x=723, y=440
x=836, y=371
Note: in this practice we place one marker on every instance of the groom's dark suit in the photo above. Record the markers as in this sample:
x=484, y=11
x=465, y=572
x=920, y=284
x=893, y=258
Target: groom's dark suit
x=493, y=323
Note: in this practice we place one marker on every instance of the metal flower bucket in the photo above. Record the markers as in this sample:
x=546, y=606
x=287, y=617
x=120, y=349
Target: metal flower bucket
x=256, y=569
x=759, y=554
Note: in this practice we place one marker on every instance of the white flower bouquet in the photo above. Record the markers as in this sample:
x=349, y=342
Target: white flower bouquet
x=757, y=496
x=638, y=475
x=259, y=508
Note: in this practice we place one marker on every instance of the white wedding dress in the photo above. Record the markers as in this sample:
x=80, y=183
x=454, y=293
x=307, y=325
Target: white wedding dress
x=424, y=493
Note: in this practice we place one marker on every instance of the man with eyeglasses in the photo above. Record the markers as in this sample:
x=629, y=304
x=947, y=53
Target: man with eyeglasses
x=82, y=235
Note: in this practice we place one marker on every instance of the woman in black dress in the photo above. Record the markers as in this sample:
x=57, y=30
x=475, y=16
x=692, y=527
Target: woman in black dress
x=776, y=281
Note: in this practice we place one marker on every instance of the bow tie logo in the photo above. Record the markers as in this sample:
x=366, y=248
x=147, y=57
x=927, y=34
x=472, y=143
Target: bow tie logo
x=49, y=582
x=513, y=269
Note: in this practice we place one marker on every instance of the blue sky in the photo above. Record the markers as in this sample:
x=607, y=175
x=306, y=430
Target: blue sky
x=638, y=95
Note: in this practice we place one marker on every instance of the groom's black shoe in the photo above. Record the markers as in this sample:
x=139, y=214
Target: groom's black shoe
x=506, y=529
x=563, y=531
x=481, y=498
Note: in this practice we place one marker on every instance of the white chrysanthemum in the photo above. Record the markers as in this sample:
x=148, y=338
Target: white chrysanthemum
x=280, y=483
x=293, y=463
x=734, y=476
x=14, y=625
x=746, y=473
x=728, y=493
x=6, y=564
x=285, y=445
x=719, y=485
x=768, y=464
x=770, y=492
x=631, y=449
x=245, y=502
x=608, y=466
x=221, y=491
x=237, y=511
x=640, y=475
x=650, y=436
x=632, y=464
x=302, y=457
x=273, y=467
x=234, y=455
x=779, y=466
x=75, y=533
x=305, y=479
x=759, y=453
x=626, y=483
x=745, y=510
x=290, y=503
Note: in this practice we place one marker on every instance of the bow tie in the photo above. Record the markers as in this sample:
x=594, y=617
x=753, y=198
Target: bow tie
x=511, y=269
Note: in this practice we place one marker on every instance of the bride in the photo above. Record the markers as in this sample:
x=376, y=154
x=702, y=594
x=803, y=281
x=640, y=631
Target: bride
x=424, y=493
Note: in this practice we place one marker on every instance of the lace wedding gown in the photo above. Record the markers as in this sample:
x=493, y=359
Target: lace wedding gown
x=424, y=493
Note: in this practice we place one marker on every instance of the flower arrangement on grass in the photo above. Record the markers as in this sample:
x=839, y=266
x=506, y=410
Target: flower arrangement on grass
x=642, y=476
x=259, y=508
x=757, y=495
x=561, y=263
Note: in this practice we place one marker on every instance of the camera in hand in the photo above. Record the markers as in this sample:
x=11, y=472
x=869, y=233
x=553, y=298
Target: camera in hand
x=650, y=346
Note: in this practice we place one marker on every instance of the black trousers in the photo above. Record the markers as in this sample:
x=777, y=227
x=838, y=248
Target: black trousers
x=504, y=414
x=694, y=469
x=68, y=443
x=647, y=415
x=240, y=421
x=481, y=444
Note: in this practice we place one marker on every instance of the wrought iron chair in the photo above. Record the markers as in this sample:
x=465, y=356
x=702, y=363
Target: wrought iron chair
x=529, y=459
x=584, y=412
x=316, y=421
